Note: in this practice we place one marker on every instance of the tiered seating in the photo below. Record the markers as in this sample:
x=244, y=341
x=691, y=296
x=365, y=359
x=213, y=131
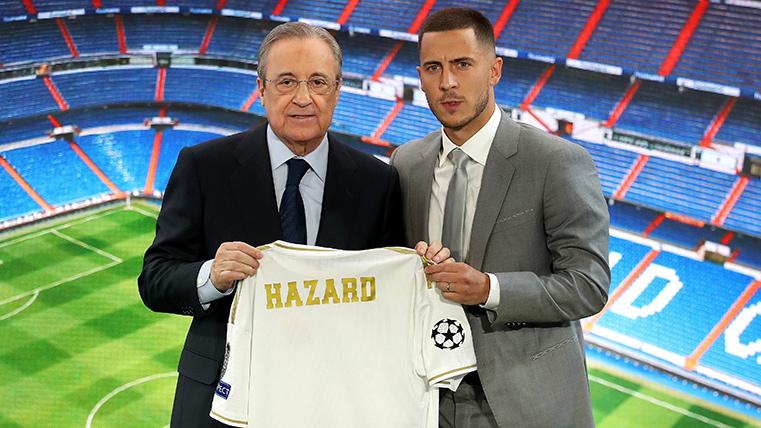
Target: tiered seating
x=99, y=116
x=685, y=235
x=388, y=14
x=184, y=31
x=326, y=10
x=630, y=255
x=412, y=122
x=219, y=88
x=749, y=250
x=518, y=77
x=23, y=129
x=94, y=35
x=238, y=38
x=546, y=27
x=49, y=5
x=363, y=54
x=74, y=181
x=22, y=42
x=172, y=142
x=122, y=156
x=742, y=124
x=746, y=215
x=15, y=201
x=725, y=48
x=25, y=98
x=665, y=112
x=107, y=86
x=679, y=188
x=360, y=115
x=405, y=61
x=637, y=34
x=745, y=366
x=11, y=8
x=703, y=293
x=264, y=6
x=592, y=94
x=612, y=164
x=631, y=218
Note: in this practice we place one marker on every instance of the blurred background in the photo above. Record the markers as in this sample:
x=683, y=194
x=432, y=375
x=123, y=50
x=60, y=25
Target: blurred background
x=97, y=98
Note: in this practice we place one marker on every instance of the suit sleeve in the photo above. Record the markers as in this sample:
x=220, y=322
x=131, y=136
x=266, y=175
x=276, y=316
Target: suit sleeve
x=167, y=282
x=393, y=226
x=576, y=224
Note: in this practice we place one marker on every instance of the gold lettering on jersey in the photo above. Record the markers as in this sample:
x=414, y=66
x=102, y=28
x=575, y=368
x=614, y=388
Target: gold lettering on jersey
x=368, y=288
x=273, y=297
x=350, y=290
x=313, y=292
x=312, y=285
x=330, y=292
x=293, y=298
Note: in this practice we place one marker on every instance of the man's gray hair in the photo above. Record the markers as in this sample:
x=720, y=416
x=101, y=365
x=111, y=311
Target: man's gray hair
x=297, y=30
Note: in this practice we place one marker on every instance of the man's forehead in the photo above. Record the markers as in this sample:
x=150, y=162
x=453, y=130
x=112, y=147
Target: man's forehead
x=452, y=43
x=315, y=57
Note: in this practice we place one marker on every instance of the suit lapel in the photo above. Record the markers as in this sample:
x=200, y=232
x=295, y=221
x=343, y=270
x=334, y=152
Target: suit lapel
x=494, y=184
x=253, y=188
x=338, y=208
x=420, y=182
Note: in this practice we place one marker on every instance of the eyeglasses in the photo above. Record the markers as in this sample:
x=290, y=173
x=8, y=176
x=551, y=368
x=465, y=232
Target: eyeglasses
x=315, y=85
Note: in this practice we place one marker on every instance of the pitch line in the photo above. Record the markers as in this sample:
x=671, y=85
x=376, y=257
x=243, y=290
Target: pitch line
x=143, y=212
x=57, y=283
x=86, y=246
x=64, y=226
x=657, y=402
x=122, y=388
x=20, y=308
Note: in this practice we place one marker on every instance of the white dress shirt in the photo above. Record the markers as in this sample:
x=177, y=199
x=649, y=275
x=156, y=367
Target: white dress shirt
x=477, y=148
x=312, y=187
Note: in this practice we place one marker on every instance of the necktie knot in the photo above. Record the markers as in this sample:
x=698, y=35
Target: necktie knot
x=296, y=170
x=458, y=158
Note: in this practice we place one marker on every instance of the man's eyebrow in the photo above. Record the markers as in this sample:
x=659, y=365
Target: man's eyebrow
x=432, y=62
x=285, y=74
x=464, y=58
x=319, y=74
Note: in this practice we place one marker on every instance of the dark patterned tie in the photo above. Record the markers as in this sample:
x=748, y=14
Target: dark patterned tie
x=292, y=218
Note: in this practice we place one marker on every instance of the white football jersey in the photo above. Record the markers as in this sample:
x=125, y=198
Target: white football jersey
x=333, y=338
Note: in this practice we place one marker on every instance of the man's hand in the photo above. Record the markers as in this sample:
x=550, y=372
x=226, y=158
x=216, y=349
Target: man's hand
x=234, y=261
x=435, y=251
x=459, y=282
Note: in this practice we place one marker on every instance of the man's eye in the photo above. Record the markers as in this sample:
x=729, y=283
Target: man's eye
x=318, y=83
x=463, y=65
x=432, y=67
x=287, y=83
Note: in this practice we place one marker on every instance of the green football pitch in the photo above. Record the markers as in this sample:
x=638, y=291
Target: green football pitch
x=79, y=349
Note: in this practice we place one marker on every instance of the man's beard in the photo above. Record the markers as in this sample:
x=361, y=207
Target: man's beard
x=481, y=104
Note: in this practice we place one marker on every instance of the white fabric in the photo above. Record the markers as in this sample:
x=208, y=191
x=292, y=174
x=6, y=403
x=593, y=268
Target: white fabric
x=360, y=359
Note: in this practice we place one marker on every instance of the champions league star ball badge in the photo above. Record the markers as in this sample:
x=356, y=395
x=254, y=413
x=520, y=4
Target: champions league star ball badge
x=448, y=334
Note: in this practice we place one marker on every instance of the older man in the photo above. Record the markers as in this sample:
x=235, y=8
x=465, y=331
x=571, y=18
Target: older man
x=524, y=216
x=286, y=179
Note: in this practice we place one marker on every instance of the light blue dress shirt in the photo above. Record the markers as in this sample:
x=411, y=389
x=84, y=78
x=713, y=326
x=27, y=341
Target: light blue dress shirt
x=312, y=187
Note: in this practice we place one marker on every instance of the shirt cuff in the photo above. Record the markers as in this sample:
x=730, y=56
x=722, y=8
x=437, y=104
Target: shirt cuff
x=207, y=292
x=492, y=302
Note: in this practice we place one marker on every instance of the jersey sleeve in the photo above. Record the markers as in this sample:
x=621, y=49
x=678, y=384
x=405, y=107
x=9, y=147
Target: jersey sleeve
x=443, y=332
x=231, y=398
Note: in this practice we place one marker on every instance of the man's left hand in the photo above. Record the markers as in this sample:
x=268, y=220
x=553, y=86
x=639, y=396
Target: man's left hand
x=460, y=282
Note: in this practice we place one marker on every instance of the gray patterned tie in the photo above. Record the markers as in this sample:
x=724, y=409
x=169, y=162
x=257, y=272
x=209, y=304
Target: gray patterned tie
x=454, y=210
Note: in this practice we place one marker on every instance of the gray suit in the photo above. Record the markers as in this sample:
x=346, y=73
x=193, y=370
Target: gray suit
x=541, y=226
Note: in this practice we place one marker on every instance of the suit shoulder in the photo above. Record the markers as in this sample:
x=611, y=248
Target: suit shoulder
x=404, y=153
x=549, y=145
x=219, y=145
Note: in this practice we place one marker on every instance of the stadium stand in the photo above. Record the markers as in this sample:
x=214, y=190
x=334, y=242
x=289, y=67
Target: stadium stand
x=128, y=84
x=24, y=42
x=186, y=32
x=636, y=34
x=94, y=35
x=215, y=87
x=612, y=164
x=237, y=38
x=15, y=201
x=745, y=215
x=579, y=91
x=395, y=15
x=327, y=10
x=412, y=122
x=725, y=48
x=670, y=114
x=36, y=98
x=360, y=115
x=123, y=156
x=684, y=189
x=544, y=27
x=742, y=124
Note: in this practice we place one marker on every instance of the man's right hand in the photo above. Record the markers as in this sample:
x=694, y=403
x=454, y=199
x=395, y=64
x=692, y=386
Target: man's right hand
x=234, y=261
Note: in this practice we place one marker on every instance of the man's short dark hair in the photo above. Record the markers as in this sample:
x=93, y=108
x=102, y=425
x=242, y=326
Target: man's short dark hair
x=459, y=18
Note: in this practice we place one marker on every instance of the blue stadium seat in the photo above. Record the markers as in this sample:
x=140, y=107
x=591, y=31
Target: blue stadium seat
x=325, y=10
x=216, y=87
x=26, y=42
x=360, y=115
x=613, y=164
x=123, y=156
x=97, y=87
x=743, y=124
x=746, y=214
x=94, y=35
x=15, y=201
x=411, y=123
x=592, y=94
x=25, y=97
x=395, y=15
